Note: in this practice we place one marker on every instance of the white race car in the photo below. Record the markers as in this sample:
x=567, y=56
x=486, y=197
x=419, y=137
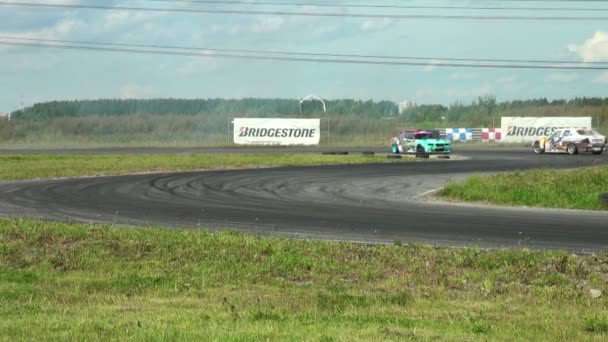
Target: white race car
x=571, y=141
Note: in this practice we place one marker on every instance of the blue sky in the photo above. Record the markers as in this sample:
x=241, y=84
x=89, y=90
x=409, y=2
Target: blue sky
x=49, y=74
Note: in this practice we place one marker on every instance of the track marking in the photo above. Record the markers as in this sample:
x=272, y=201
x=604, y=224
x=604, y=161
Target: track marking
x=426, y=193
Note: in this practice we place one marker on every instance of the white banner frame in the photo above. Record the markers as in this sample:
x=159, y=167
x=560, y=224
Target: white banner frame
x=519, y=129
x=271, y=131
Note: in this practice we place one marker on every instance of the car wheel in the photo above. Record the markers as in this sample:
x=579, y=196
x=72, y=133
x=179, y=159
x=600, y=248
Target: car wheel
x=419, y=149
x=395, y=149
x=572, y=149
x=597, y=152
x=537, y=149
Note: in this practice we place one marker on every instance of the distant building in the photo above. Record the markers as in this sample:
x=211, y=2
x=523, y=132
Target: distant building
x=405, y=105
x=5, y=116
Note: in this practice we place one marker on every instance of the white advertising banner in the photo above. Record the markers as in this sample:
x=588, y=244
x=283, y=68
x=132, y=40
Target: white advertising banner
x=277, y=131
x=529, y=129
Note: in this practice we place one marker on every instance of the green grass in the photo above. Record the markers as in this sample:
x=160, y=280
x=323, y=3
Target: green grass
x=32, y=166
x=94, y=282
x=175, y=130
x=572, y=189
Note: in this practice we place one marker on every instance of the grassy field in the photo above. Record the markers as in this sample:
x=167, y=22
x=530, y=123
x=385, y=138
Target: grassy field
x=175, y=130
x=573, y=189
x=216, y=130
x=90, y=282
x=33, y=166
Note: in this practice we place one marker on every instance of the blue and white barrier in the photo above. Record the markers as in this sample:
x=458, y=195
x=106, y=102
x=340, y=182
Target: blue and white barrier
x=459, y=134
x=470, y=134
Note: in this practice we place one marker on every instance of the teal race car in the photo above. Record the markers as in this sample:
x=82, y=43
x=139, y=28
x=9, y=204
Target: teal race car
x=420, y=142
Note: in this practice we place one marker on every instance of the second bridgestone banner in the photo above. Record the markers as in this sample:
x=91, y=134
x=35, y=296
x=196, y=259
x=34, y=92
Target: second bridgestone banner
x=277, y=131
x=529, y=129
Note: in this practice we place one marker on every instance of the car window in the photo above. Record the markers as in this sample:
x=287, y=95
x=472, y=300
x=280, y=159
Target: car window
x=567, y=134
x=555, y=134
x=586, y=132
x=423, y=136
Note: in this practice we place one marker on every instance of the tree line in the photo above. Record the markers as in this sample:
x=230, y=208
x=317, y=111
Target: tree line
x=484, y=111
x=245, y=107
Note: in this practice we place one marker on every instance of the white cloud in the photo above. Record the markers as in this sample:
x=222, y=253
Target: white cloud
x=594, y=49
x=422, y=93
x=432, y=65
x=132, y=91
x=302, y=19
x=323, y=29
x=117, y=19
x=30, y=63
x=268, y=24
x=484, y=89
x=62, y=28
x=602, y=78
x=55, y=2
x=459, y=75
x=201, y=64
x=507, y=79
x=375, y=24
x=67, y=26
x=562, y=77
x=235, y=30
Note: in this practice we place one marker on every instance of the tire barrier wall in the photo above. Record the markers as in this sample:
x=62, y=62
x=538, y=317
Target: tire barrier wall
x=459, y=134
x=491, y=134
x=470, y=134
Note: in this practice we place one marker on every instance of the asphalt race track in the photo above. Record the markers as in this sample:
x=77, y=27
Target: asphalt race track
x=368, y=203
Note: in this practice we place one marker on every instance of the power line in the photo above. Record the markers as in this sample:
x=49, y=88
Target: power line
x=270, y=3
x=311, y=14
x=303, y=53
x=302, y=59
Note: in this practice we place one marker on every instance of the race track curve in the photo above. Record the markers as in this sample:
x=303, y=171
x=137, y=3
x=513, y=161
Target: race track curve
x=369, y=203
